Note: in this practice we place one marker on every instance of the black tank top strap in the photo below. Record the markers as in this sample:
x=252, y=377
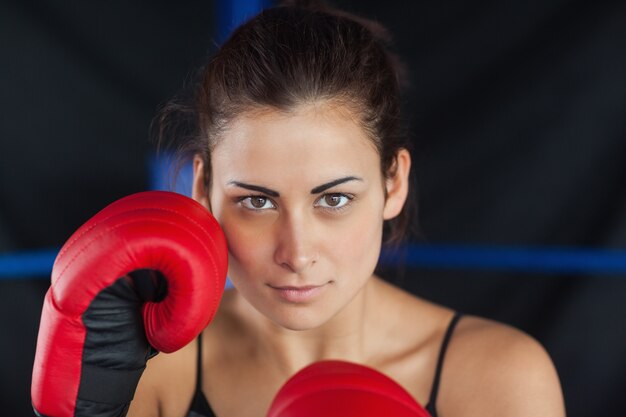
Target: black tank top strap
x=431, y=406
x=199, y=405
x=199, y=365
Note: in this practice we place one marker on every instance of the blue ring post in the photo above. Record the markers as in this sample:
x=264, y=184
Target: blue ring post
x=230, y=14
x=235, y=12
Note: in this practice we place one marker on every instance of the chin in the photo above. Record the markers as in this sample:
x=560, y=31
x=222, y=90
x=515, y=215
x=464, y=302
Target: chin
x=298, y=320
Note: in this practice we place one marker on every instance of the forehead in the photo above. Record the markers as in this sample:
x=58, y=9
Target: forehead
x=317, y=142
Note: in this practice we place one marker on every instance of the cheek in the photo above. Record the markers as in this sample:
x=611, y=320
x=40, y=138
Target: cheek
x=356, y=243
x=249, y=245
x=247, y=240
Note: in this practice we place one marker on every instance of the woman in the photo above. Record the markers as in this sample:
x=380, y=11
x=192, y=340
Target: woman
x=300, y=156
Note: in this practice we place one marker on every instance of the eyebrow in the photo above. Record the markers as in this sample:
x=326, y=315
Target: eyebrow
x=315, y=190
x=324, y=187
x=258, y=188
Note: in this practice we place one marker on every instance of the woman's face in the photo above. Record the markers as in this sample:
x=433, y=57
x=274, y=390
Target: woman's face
x=300, y=198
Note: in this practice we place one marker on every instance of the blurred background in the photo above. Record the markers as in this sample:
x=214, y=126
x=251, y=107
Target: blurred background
x=518, y=116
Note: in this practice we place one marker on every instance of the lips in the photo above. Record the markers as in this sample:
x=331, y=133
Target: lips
x=300, y=294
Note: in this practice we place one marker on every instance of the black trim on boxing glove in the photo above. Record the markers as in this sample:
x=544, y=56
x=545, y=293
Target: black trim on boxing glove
x=116, y=349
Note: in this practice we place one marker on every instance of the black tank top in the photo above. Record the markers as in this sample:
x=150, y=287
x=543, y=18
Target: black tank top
x=200, y=406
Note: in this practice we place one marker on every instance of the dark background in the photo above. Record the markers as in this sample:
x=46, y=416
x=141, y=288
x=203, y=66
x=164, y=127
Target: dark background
x=517, y=110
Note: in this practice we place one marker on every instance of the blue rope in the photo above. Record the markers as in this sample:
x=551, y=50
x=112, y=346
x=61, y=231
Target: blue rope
x=27, y=264
x=531, y=260
x=539, y=260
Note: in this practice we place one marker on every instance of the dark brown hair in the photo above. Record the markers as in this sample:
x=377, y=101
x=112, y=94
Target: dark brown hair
x=286, y=56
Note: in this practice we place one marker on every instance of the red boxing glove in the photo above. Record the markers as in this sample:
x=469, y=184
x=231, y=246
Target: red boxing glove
x=343, y=389
x=145, y=274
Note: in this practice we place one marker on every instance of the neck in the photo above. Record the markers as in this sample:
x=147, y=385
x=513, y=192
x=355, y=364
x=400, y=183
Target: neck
x=346, y=336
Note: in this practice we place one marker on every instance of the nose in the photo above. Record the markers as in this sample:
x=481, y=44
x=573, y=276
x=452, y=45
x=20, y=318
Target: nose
x=295, y=250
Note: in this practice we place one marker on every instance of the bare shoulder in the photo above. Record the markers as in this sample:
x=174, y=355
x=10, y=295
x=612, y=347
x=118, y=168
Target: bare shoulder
x=495, y=369
x=167, y=384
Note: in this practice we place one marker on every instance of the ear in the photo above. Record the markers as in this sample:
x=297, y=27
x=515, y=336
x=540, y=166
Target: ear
x=198, y=190
x=397, y=185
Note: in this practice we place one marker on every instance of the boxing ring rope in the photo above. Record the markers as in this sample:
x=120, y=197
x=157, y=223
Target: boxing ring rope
x=531, y=260
x=27, y=264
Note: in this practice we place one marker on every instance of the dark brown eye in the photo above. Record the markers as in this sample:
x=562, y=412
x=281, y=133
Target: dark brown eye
x=258, y=202
x=333, y=200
